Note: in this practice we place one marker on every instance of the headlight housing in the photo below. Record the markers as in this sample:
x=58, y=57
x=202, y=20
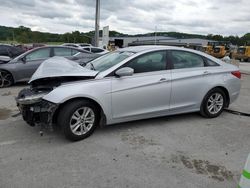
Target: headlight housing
x=30, y=99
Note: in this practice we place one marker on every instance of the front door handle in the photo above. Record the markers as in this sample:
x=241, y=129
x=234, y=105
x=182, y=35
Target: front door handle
x=163, y=80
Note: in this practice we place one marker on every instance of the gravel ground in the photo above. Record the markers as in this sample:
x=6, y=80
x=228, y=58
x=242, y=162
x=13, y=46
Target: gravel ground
x=177, y=151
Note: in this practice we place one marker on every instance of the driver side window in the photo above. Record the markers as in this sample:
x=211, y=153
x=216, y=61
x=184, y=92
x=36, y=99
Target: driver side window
x=38, y=54
x=154, y=61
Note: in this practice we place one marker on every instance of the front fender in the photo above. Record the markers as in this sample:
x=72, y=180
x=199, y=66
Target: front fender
x=97, y=90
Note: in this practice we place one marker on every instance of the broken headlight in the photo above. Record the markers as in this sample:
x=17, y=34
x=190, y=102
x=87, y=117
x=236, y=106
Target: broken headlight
x=26, y=97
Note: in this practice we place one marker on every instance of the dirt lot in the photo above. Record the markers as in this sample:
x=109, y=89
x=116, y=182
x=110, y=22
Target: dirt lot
x=178, y=151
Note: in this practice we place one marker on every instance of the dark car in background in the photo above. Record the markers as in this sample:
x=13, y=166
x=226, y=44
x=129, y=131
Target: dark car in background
x=21, y=68
x=10, y=51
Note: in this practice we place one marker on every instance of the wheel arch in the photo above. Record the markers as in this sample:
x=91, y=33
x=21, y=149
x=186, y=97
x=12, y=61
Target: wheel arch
x=225, y=90
x=101, y=111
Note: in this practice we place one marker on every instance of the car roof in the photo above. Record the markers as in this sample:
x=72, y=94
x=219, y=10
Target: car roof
x=59, y=46
x=137, y=49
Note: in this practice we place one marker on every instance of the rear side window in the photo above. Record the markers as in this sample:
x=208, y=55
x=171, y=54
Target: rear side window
x=154, y=61
x=64, y=52
x=96, y=50
x=182, y=59
x=211, y=63
x=88, y=49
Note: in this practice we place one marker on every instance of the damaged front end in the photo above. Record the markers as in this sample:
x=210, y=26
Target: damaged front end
x=51, y=74
x=34, y=109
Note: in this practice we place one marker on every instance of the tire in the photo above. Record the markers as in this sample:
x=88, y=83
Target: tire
x=6, y=79
x=210, y=107
x=75, y=122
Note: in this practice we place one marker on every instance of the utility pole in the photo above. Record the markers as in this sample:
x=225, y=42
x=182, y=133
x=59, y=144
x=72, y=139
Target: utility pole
x=97, y=22
x=155, y=33
x=13, y=36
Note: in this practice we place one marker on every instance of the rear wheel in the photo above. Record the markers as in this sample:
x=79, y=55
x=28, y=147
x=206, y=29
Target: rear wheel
x=78, y=119
x=6, y=79
x=213, y=103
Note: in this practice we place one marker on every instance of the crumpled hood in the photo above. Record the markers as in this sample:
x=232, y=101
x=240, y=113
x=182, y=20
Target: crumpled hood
x=61, y=67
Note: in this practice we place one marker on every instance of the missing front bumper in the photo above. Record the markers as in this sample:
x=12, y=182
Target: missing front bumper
x=41, y=112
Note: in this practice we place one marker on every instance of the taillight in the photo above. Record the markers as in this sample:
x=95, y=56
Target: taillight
x=236, y=74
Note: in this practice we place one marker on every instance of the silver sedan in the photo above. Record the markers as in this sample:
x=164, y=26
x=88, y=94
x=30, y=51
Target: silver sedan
x=129, y=84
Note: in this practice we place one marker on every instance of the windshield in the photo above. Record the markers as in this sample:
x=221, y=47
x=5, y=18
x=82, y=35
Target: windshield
x=109, y=60
x=216, y=50
x=241, y=50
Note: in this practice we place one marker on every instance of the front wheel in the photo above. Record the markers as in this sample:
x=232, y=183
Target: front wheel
x=78, y=119
x=213, y=103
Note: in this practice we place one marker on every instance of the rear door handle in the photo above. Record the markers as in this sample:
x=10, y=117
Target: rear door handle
x=206, y=72
x=163, y=80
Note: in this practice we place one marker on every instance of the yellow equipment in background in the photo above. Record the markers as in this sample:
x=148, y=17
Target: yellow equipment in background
x=208, y=49
x=219, y=51
x=243, y=53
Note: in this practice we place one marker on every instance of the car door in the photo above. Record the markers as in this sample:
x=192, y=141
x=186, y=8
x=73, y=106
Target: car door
x=29, y=63
x=147, y=92
x=189, y=80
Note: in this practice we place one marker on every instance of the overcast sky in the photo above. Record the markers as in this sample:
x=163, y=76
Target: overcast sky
x=226, y=17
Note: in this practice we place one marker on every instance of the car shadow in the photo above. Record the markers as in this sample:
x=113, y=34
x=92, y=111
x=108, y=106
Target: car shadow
x=157, y=121
x=57, y=132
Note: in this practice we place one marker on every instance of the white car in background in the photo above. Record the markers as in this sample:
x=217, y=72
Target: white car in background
x=76, y=45
x=87, y=47
x=95, y=50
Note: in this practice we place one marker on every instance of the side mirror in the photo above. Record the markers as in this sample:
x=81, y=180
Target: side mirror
x=125, y=71
x=5, y=58
x=23, y=59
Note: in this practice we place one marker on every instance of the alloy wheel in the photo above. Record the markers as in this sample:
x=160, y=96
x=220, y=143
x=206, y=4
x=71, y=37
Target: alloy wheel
x=82, y=121
x=215, y=103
